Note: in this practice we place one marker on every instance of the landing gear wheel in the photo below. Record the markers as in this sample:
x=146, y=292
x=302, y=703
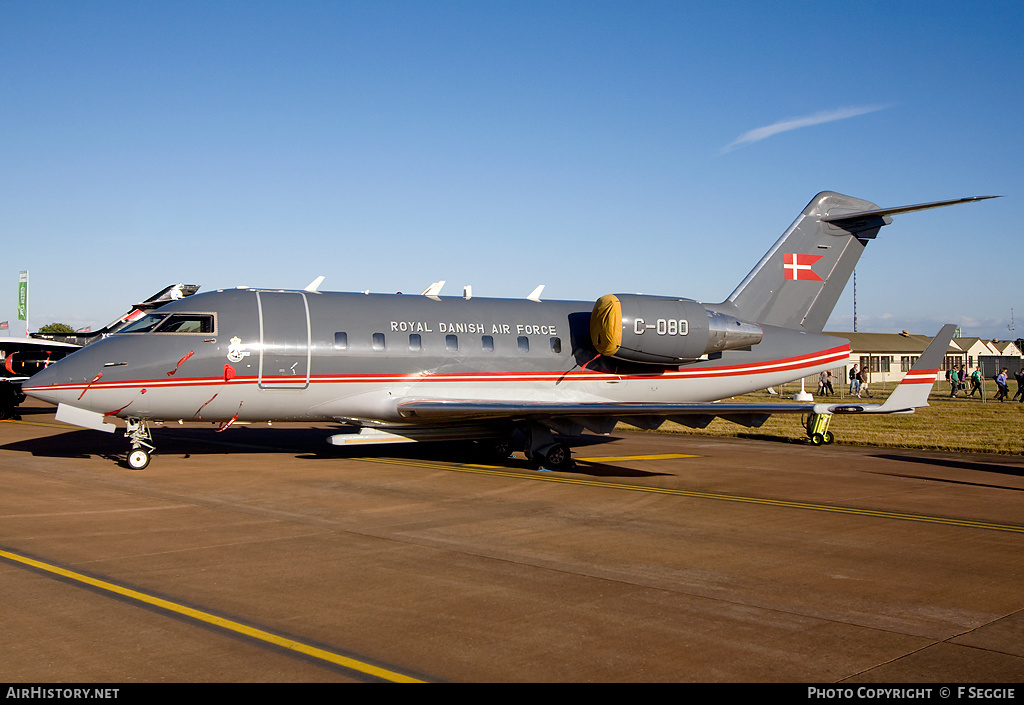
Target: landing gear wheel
x=817, y=439
x=142, y=443
x=138, y=459
x=828, y=437
x=559, y=457
x=499, y=448
x=544, y=452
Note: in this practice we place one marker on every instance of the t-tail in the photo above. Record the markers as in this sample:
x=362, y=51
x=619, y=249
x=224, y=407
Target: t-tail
x=797, y=284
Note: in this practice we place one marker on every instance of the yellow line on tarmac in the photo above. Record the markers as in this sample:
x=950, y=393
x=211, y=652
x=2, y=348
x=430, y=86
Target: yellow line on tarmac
x=206, y=617
x=837, y=509
x=37, y=423
x=625, y=458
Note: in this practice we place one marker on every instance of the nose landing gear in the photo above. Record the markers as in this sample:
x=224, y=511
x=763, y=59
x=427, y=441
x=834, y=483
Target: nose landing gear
x=142, y=443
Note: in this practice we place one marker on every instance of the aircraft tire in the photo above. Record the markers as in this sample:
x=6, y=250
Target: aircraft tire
x=559, y=456
x=500, y=448
x=138, y=459
x=829, y=437
x=817, y=439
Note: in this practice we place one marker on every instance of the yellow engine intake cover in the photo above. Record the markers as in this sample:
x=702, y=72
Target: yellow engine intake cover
x=606, y=325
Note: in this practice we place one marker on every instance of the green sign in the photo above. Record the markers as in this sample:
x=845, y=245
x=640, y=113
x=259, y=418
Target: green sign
x=22, y=296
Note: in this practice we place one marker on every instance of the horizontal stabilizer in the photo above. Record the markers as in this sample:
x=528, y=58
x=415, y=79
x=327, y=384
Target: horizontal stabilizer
x=883, y=212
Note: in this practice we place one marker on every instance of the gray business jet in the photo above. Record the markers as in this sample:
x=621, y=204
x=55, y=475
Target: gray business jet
x=394, y=368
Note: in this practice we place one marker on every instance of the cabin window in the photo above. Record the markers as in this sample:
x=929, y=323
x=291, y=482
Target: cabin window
x=556, y=345
x=451, y=343
x=341, y=340
x=487, y=342
x=378, y=341
x=524, y=344
x=415, y=341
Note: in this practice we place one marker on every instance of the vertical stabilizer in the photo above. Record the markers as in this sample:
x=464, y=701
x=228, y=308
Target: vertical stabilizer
x=797, y=284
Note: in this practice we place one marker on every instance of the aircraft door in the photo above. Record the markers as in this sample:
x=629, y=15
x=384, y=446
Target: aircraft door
x=284, y=340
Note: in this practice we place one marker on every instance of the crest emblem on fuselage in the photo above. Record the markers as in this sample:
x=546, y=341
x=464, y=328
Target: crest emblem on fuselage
x=237, y=351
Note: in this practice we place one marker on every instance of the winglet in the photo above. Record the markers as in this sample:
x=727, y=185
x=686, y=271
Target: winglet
x=912, y=391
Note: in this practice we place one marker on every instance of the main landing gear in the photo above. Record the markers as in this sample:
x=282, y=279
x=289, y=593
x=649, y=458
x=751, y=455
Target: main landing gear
x=545, y=452
x=142, y=443
x=817, y=429
x=10, y=397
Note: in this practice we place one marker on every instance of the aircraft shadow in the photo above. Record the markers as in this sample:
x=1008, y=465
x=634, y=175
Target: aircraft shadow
x=986, y=467
x=72, y=444
x=303, y=443
x=771, y=438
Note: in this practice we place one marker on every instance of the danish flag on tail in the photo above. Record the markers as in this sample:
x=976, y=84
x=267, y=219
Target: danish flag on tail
x=798, y=267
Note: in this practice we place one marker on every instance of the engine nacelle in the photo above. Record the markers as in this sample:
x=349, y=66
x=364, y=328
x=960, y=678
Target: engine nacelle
x=664, y=330
x=26, y=364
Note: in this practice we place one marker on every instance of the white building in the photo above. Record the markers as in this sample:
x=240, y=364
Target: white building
x=886, y=357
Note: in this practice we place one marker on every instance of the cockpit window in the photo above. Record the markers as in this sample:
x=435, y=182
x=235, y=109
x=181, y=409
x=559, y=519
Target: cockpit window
x=187, y=323
x=172, y=323
x=144, y=324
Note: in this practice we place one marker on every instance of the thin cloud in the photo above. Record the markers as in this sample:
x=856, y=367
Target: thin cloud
x=796, y=123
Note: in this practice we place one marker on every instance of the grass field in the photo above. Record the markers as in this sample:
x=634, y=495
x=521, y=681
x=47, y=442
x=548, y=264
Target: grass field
x=946, y=424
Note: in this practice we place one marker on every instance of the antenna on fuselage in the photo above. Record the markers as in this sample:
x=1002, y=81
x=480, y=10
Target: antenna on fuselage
x=434, y=289
x=314, y=285
x=535, y=294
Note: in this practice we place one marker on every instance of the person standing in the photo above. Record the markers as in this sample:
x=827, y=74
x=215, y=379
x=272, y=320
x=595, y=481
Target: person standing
x=1019, y=376
x=854, y=381
x=1001, y=383
x=976, y=384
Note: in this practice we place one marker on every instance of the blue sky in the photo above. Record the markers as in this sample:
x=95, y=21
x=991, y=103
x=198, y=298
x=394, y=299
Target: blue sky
x=594, y=147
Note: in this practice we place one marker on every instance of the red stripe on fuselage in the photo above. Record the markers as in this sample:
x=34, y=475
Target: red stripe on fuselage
x=833, y=355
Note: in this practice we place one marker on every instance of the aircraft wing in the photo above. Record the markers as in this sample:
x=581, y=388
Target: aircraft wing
x=912, y=392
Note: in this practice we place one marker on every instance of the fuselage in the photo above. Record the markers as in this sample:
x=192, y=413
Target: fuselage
x=256, y=355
